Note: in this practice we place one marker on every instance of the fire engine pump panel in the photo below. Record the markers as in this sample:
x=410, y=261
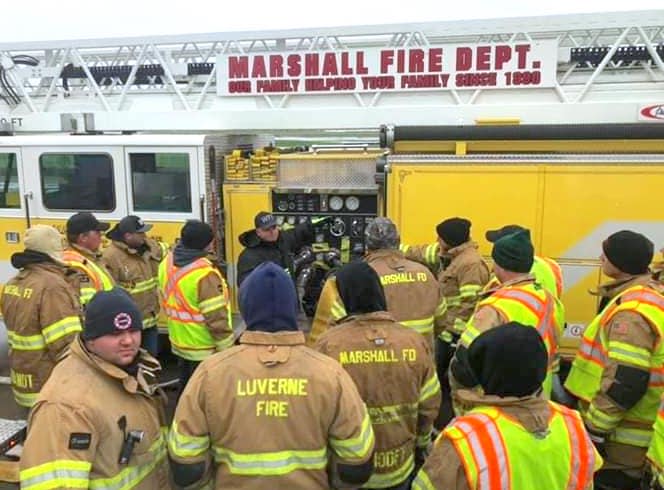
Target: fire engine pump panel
x=334, y=188
x=339, y=188
x=348, y=216
x=338, y=240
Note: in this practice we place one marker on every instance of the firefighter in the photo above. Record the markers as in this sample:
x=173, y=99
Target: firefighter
x=546, y=271
x=41, y=311
x=618, y=371
x=411, y=290
x=83, y=254
x=462, y=273
x=267, y=242
x=548, y=274
x=270, y=412
x=371, y=346
x=654, y=475
x=509, y=437
x=100, y=419
x=195, y=299
x=133, y=260
x=519, y=299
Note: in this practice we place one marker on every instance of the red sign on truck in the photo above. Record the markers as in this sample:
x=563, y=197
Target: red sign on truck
x=440, y=67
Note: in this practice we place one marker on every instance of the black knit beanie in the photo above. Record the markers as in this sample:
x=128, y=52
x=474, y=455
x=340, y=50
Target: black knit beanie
x=509, y=360
x=109, y=312
x=360, y=288
x=196, y=235
x=454, y=231
x=514, y=252
x=629, y=251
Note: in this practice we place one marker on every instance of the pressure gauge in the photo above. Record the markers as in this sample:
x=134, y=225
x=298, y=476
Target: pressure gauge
x=282, y=205
x=336, y=203
x=280, y=220
x=291, y=220
x=352, y=203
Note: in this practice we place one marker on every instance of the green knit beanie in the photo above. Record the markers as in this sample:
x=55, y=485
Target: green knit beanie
x=514, y=252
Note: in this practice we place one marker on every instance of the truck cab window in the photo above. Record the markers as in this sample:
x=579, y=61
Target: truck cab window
x=77, y=181
x=10, y=196
x=160, y=182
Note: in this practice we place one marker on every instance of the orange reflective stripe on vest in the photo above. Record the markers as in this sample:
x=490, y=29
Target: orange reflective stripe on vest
x=101, y=280
x=593, y=352
x=485, y=445
x=78, y=261
x=634, y=427
x=557, y=272
x=583, y=453
x=591, y=348
x=543, y=310
x=656, y=377
x=655, y=453
x=488, y=450
x=182, y=311
x=643, y=296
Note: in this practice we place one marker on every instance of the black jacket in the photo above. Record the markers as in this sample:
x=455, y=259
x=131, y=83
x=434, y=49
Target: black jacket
x=280, y=252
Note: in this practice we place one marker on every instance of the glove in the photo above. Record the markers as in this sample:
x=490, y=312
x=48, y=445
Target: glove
x=599, y=440
x=421, y=454
x=319, y=221
x=444, y=353
x=648, y=482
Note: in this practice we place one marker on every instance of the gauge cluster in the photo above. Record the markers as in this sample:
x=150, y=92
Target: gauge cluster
x=350, y=213
x=323, y=203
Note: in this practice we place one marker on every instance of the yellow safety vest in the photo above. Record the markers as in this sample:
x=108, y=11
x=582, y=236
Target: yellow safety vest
x=532, y=305
x=547, y=273
x=100, y=280
x=189, y=336
x=656, y=450
x=585, y=377
x=163, y=247
x=499, y=454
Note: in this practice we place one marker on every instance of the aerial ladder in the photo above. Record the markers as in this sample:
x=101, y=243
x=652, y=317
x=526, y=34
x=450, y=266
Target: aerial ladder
x=584, y=69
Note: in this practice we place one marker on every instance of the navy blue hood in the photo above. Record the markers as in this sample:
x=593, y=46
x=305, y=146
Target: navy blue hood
x=268, y=301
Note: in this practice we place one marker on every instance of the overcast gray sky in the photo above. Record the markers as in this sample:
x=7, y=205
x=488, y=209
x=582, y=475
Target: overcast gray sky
x=34, y=20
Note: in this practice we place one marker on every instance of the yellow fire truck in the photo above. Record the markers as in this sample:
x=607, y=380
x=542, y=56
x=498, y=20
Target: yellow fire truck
x=552, y=122
x=571, y=186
